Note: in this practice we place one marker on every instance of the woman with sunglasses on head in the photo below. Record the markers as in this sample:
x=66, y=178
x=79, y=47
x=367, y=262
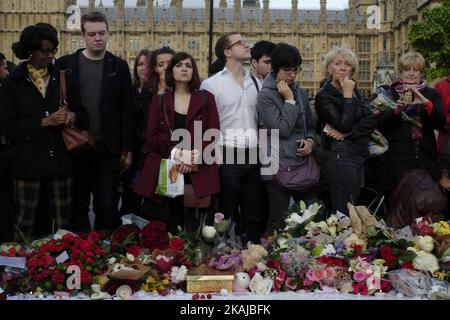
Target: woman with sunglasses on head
x=31, y=118
x=182, y=107
x=283, y=106
x=348, y=123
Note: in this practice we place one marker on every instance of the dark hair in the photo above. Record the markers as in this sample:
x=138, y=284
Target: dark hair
x=31, y=39
x=215, y=67
x=48, y=26
x=285, y=56
x=2, y=59
x=262, y=48
x=180, y=56
x=136, y=81
x=94, y=16
x=441, y=167
x=153, y=76
x=222, y=43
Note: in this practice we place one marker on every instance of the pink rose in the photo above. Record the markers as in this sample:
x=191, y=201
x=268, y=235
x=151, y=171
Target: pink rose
x=359, y=276
x=218, y=217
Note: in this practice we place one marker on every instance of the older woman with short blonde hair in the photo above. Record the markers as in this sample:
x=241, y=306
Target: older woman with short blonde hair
x=348, y=123
x=410, y=127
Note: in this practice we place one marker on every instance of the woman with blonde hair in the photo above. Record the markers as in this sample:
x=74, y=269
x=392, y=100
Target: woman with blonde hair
x=348, y=123
x=410, y=127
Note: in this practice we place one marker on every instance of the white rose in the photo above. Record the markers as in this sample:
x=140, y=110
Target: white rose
x=130, y=257
x=178, y=275
x=425, y=261
x=425, y=243
x=209, y=233
x=260, y=285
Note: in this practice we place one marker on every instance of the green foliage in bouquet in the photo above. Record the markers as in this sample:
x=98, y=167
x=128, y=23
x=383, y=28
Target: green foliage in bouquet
x=298, y=216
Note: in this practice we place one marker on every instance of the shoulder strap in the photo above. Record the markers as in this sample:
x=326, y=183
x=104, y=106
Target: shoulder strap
x=255, y=82
x=162, y=108
x=62, y=89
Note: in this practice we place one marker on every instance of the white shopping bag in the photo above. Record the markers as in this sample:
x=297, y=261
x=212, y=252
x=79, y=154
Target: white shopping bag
x=170, y=181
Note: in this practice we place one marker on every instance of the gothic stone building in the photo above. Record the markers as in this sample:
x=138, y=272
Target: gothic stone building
x=314, y=32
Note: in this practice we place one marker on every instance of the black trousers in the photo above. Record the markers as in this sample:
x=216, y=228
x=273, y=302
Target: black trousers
x=174, y=214
x=240, y=193
x=6, y=196
x=345, y=174
x=99, y=176
x=279, y=199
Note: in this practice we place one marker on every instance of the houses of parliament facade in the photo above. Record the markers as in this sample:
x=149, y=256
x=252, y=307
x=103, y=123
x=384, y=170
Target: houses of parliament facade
x=149, y=24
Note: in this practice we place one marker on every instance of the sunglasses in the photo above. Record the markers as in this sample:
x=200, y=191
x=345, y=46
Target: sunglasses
x=241, y=42
x=47, y=51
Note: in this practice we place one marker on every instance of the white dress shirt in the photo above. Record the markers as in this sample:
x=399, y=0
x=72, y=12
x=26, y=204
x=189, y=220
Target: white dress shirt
x=236, y=107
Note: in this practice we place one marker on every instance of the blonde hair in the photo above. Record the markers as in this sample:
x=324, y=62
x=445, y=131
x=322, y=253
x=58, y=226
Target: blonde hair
x=410, y=59
x=343, y=51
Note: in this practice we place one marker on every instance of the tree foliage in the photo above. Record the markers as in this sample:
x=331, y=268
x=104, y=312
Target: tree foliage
x=431, y=37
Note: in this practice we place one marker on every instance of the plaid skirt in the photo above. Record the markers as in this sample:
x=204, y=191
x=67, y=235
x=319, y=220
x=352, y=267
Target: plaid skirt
x=26, y=198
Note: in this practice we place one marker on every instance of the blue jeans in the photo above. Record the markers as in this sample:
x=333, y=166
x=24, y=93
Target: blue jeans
x=345, y=174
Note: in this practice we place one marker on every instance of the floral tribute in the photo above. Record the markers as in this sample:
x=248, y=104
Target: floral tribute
x=311, y=253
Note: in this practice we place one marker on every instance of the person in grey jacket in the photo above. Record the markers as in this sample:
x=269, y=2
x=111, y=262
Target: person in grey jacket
x=282, y=106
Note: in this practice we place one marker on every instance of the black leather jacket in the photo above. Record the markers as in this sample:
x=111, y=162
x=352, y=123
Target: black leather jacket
x=347, y=116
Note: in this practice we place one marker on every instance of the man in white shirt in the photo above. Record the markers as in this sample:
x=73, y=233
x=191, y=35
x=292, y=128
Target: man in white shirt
x=235, y=94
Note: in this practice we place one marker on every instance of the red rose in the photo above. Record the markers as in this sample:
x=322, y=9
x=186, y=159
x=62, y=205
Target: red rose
x=93, y=236
x=385, y=286
x=274, y=264
x=385, y=251
x=360, y=288
x=57, y=278
x=89, y=261
x=86, y=277
x=45, y=273
x=176, y=244
x=134, y=250
x=407, y=265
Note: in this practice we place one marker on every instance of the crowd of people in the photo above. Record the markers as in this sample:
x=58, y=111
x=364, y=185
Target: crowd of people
x=273, y=145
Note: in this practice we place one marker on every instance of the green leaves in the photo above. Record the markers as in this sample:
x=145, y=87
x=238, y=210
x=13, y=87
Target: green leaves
x=431, y=37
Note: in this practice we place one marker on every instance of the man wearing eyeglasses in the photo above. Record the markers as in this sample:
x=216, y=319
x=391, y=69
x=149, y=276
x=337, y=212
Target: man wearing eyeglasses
x=104, y=84
x=235, y=94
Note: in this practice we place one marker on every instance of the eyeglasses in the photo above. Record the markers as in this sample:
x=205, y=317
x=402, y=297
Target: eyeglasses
x=241, y=42
x=290, y=70
x=47, y=51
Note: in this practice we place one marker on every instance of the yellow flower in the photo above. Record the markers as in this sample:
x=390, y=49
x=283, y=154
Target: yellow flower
x=165, y=282
x=439, y=275
x=161, y=287
x=441, y=228
x=144, y=287
x=150, y=280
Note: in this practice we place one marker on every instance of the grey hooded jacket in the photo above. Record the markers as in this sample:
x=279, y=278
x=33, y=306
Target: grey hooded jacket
x=275, y=113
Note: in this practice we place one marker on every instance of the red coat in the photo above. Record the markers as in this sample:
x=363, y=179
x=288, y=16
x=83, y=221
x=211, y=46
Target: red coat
x=158, y=144
x=443, y=88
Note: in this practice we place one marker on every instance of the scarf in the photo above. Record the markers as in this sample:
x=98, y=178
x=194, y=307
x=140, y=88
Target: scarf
x=39, y=77
x=400, y=87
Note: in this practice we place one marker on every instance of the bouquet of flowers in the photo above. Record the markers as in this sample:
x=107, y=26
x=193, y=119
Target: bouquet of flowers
x=368, y=276
x=384, y=102
x=48, y=265
x=299, y=216
x=335, y=229
x=154, y=236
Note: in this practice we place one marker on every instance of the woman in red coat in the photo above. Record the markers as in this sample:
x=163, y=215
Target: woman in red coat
x=181, y=108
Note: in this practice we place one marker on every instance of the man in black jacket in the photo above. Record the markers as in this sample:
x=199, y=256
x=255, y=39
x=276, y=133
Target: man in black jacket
x=6, y=184
x=104, y=84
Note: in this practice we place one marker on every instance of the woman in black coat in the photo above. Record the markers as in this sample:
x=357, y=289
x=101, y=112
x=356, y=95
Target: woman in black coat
x=31, y=119
x=410, y=127
x=348, y=123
